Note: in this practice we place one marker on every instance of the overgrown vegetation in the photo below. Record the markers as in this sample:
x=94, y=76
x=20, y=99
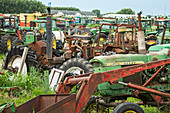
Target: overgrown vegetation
x=30, y=87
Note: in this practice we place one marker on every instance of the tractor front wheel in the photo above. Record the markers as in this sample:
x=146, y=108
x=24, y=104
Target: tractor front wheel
x=17, y=42
x=103, y=38
x=128, y=107
x=76, y=66
x=14, y=56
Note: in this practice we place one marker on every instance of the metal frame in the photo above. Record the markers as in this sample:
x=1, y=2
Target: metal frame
x=64, y=102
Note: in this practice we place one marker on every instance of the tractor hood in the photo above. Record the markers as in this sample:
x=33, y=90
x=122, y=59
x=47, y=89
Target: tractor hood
x=129, y=59
x=120, y=59
x=157, y=48
x=167, y=35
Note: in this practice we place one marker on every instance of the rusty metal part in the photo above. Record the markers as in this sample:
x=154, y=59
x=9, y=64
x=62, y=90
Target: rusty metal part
x=153, y=76
x=148, y=90
x=111, y=104
x=139, y=21
x=68, y=54
x=157, y=99
x=42, y=102
x=52, y=61
x=2, y=73
x=39, y=47
x=163, y=35
x=9, y=88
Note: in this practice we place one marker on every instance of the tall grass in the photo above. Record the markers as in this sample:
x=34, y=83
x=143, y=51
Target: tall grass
x=30, y=87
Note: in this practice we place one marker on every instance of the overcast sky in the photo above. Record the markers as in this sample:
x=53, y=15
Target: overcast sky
x=154, y=7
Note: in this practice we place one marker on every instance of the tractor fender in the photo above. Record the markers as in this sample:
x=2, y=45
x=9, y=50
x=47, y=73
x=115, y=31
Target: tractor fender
x=59, y=35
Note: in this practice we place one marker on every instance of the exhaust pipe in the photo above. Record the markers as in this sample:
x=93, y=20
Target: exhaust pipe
x=49, y=33
x=141, y=37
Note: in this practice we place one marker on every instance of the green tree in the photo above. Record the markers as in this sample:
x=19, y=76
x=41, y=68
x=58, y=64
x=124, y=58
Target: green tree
x=97, y=12
x=126, y=11
x=21, y=6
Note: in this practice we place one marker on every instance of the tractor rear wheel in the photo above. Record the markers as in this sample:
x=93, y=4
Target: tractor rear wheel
x=76, y=66
x=103, y=38
x=17, y=42
x=6, y=43
x=128, y=107
x=86, y=32
x=13, y=59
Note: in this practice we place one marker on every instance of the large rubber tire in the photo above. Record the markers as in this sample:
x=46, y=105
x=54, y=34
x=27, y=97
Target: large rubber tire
x=1, y=46
x=87, y=32
x=17, y=42
x=153, y=40
x=16, y=52
x=6, y=43
x=76, y=63
x=128, y=107
x=101, y=36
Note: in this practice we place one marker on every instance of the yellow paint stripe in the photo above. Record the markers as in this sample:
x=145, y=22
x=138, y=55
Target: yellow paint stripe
x=124, y=63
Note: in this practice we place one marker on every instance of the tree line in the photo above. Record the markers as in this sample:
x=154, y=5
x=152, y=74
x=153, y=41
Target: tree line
x=27, y=6
x=21, y=6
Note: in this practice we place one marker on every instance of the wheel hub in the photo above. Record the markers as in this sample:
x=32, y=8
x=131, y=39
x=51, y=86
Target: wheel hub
x=9, y=44
x=16, y=62
x=75, y=70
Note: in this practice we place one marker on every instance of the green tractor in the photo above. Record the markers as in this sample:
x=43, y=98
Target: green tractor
x=104, y=31
x=154, y=33
x=8, y=32
x=161, y=24
x=37, y=31
x=109, y=93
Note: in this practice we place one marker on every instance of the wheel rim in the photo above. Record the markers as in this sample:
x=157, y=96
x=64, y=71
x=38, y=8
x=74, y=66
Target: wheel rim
x=85, y=33
x=92, y=108
x=151, y=42
x=102, y=39
x=130, y=111
x=41, y=30
x=54, y=43
x=75, y=70
x=19, y=43
x=15, y=62
x=9, y=44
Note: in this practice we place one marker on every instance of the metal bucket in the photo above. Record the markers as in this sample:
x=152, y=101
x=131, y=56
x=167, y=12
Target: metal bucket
x=49, y=104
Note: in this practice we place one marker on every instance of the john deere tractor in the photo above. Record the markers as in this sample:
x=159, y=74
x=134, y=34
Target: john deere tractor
x=37, y=31
x=109, y=93
x=8, y=32
x=104, y=30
